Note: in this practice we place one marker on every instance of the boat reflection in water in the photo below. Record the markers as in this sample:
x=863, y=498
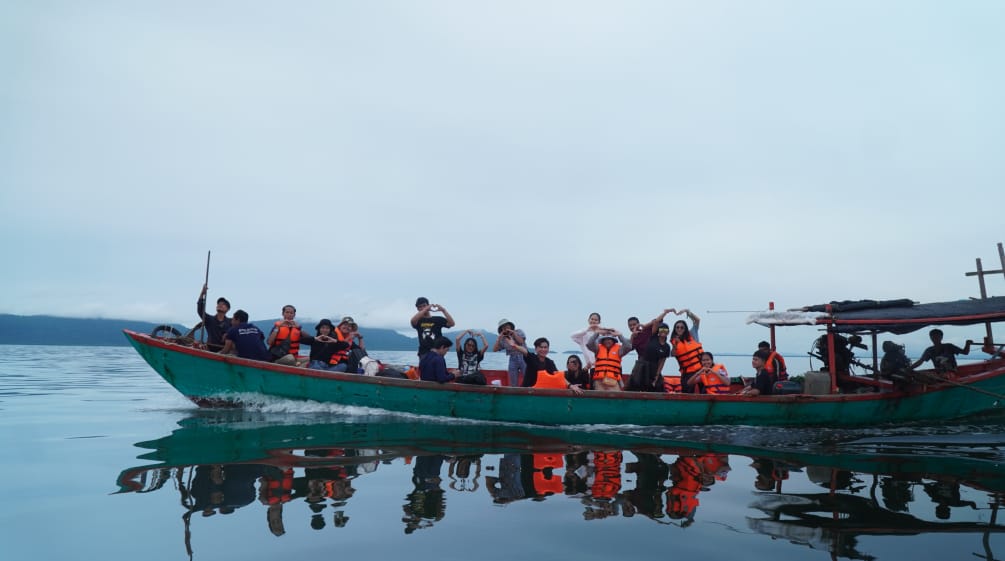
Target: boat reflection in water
x=825, y=495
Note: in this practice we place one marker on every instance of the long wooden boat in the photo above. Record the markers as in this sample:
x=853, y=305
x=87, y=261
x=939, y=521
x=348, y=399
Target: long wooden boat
x=210, y=379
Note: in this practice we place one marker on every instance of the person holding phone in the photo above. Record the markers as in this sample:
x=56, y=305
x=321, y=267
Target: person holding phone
x=514, y=342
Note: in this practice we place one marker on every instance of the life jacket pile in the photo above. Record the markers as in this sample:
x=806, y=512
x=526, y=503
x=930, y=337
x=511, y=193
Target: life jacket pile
x=672, y=384
x=545, y=480
x=551, y=380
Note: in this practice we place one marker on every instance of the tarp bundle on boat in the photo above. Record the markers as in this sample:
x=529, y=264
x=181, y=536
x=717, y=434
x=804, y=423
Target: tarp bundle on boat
x=891, y=316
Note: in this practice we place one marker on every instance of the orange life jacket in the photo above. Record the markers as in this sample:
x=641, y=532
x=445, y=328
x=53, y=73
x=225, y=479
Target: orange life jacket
x=682, y=497
x=688, y=355
x=286, y=332
x=681, y=503
x=769, y=366
x=672, y=384
x=343, y=355
x=336, y=488
x=276, y=491
x=608, y=363
x=713, y=383
x=607, y=474
x=542, y=461
x=715, y=464
x=551, y=380
x=547, y=485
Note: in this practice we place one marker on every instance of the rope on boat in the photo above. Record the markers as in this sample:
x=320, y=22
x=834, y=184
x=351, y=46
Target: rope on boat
x=933, y=377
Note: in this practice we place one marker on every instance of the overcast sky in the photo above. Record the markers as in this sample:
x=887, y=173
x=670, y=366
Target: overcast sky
x=530, y=160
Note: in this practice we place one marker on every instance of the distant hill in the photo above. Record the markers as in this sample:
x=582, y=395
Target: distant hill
x=53, y=330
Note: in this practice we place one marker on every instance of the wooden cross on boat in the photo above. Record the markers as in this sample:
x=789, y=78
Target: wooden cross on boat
x=980, y=273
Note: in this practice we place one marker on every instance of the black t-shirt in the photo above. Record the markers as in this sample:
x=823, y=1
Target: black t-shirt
x=943, y=356
x=656, y=351
x=428, y=329
x=764, y=382
x=468, y=363
x=583, y=379
x=650, y=380
x=215, y=329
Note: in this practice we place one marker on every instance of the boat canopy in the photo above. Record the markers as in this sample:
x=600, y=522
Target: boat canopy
x=891, y=316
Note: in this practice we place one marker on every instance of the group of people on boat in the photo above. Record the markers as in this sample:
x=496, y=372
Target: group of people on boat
x=603, y=350
x=341, y=348
x=338, y=348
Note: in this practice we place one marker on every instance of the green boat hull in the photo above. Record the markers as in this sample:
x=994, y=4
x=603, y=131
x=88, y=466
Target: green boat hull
x=208, y=378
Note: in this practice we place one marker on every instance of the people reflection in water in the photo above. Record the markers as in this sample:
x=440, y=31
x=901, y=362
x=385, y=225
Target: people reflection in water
x=222, y=488
x=426, y=504
x=507, y=487
x=321, y=484
x=686, y=476
x=769, y=474
x=460, y=475
x=275, y=489
x=605, y=485
x=946, y=495
x=651, y=474
x=896, y=493
x=577, y=469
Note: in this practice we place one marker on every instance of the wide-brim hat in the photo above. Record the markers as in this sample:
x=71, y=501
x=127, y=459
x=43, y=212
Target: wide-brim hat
x=325, y=321
x=608, y=336
x=347, y=319
x=503, y=322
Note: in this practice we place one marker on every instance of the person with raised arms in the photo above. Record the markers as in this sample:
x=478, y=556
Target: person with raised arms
x=580, y=337
x=428, y=327
x=513, y=341
x=609, y=346
x=216, y=325
x=686, y=348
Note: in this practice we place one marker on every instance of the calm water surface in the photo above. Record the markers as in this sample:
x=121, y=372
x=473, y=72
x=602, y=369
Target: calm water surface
x=104, y=460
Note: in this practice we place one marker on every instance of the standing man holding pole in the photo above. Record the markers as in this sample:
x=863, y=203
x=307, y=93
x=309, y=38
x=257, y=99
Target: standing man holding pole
x=216, y=325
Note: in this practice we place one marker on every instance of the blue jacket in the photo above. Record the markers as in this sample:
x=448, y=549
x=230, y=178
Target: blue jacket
x=433, y=368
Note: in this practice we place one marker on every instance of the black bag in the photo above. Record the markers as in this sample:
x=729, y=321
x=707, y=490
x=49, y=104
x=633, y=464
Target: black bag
x=477, y=379
x=280, y=350
x=787, y=387
x=352, y=360
x=391, y=372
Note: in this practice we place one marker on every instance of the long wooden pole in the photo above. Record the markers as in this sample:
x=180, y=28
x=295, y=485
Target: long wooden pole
x=202, y=330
